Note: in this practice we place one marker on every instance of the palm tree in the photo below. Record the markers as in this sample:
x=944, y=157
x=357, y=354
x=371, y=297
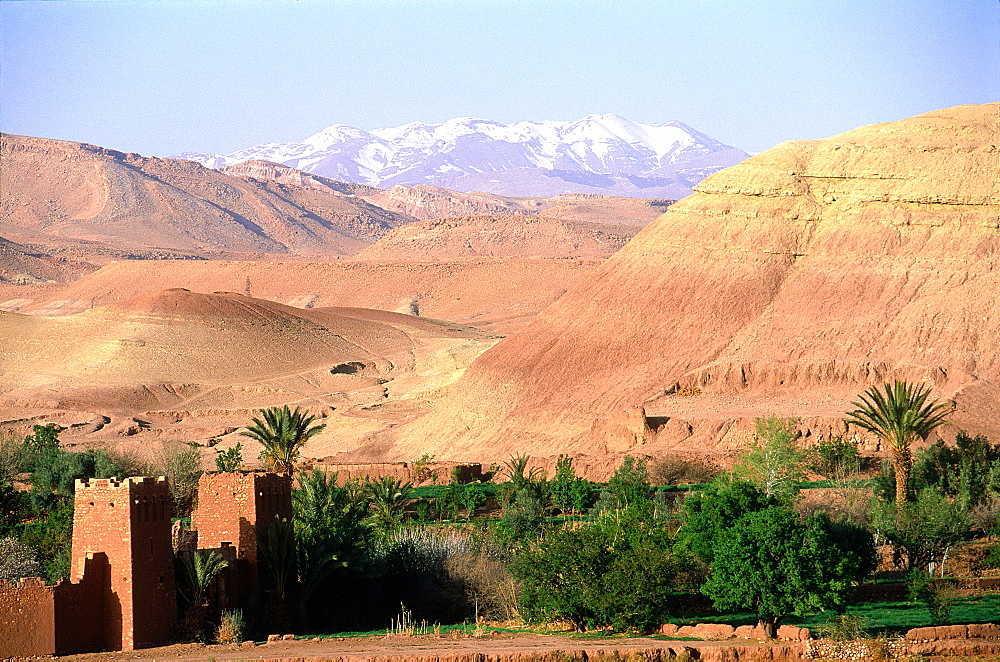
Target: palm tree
x=387, y=498
x=283, y=432
x=196, y=571
x=899, y=416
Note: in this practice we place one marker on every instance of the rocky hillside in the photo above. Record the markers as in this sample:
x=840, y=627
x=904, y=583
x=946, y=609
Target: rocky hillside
x=56, y=191
x=785, y=285
x=23, y=265
x=497, y=236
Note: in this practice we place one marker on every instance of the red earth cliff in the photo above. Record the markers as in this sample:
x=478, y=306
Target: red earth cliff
x=786, y=284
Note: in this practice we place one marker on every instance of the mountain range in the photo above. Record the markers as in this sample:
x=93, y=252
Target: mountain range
x=603, y=154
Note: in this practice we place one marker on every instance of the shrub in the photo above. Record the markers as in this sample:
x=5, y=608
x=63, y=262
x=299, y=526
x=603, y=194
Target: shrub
x=986, y=515
x=682, y=470
x=183, y=469
x=12, y=455
x=617, y=571
x=230, y=460
x=17, y=559
x=835, y=457
x=938, y=597
x=231, y=627
x=844, y=627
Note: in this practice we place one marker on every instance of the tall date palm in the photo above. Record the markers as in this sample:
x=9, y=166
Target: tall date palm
x=283, y=432
x=899, y=414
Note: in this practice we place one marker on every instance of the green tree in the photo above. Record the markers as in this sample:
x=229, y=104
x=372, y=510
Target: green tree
x=708, y=514
x=13, y=507
x=387, y=497
x=898, y=415
x=517, y=472
x=617, y=571
x=773, y=461
x=629, y=485
x=328, y=527
x=965, y=471
x=922, y=530
x=772, y=563
x=50, y=533
x=283, y=433
x=569, y=493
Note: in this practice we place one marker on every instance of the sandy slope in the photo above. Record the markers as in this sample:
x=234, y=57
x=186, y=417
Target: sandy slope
x=177, y=365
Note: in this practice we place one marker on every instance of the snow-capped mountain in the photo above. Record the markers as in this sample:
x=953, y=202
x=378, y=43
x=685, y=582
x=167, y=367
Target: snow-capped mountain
x=598, y=154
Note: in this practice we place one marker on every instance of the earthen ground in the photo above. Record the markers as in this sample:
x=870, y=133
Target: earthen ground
x=514, y=646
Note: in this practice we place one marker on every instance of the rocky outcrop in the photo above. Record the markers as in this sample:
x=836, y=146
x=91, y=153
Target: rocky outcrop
x=425, y=202
x=786, y=284
x=496, y=236
x=266, y=171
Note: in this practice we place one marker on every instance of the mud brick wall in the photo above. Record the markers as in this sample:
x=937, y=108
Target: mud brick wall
x=231, y=507
x=129, y=521
x=79, y=608
x=27, y=618
x=404, y=471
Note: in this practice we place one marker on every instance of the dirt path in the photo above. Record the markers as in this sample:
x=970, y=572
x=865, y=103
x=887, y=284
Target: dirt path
x=444, y=648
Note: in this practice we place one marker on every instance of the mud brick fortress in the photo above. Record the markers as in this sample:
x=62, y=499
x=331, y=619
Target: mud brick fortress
x=121, y=594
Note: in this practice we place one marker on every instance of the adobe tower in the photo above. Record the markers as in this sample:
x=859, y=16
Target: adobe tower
x=234, y=508
x=129, y=521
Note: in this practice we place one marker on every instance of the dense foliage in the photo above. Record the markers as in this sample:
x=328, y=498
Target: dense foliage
x=771, y=562
x=617, y=571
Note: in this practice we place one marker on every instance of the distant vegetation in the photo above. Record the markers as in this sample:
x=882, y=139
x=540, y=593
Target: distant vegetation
x=665, y=539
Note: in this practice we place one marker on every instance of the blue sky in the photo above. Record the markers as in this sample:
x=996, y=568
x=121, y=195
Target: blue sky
x=165, y=77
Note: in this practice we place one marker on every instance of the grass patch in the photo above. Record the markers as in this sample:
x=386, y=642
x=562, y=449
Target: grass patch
x=901, y=616
x=879, y=617
x=462, y=628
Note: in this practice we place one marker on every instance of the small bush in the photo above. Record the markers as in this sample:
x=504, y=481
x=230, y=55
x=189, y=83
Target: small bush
x=986, y=515
x=12, y=455
x=844, y=627
x=183, y=469
x=681, y=470
x=835, y=457
x=938, y=597
x=17, y=559
x=230, y=460
x=231, y=627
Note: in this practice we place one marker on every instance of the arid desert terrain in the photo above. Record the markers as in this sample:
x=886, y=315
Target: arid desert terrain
x=146, y=302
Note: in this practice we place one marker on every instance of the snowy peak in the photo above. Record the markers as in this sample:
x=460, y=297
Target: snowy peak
x=596, y=154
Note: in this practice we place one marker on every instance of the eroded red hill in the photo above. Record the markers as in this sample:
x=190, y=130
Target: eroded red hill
x=784, y=285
